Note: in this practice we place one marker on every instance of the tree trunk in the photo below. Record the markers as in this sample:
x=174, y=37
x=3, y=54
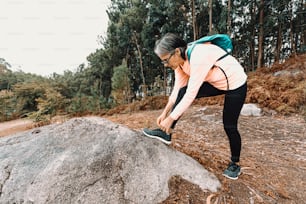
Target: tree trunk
x=293, y=48
x=195, y=35
x=292, y=33
x=210, y=16
x=252, y=43
x=229, y=19
x=302, y=25
x=260, y=35
x=278, y=43
x=140, y=63
x=165, y=80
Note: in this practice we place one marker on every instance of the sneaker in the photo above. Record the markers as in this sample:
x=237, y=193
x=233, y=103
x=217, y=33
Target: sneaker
x=232, y=171
x=158, y=134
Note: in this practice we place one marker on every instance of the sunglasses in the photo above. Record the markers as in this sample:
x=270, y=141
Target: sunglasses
x=166, y=61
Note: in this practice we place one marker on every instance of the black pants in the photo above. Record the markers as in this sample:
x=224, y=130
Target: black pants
x=233, y=103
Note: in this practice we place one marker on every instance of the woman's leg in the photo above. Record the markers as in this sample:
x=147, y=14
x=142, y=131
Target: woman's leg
x=233, y=102
x=205, y=90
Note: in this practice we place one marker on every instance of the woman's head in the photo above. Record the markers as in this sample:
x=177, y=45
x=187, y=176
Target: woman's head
x=171, y=50
x=168, y=43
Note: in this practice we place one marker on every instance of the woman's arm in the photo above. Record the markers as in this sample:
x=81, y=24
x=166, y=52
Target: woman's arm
x=181, y=80
x=165, y=112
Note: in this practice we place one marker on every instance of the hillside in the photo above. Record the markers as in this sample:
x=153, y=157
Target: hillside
x=279, y=89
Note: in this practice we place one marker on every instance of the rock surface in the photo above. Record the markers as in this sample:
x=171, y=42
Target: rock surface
x=92, y=160
x=251, y=109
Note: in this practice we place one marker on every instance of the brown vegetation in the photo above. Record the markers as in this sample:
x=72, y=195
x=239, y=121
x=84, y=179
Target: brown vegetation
x=273, y=157
x=281, y=88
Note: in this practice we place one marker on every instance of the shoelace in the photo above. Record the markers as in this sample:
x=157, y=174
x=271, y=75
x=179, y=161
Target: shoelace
x=232, y=167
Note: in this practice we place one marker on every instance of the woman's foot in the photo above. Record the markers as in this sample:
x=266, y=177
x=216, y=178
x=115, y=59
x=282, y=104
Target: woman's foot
x=233, y=171
x=158, y=134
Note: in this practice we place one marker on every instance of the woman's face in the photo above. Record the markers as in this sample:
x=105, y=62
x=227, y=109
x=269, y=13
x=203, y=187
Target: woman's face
x=172, y=59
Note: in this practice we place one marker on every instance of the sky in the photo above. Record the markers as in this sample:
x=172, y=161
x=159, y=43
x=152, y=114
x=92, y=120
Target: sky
x=47, y=36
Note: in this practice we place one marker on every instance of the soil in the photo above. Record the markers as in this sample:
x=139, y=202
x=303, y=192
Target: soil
x=14, y=126
x=273, y=157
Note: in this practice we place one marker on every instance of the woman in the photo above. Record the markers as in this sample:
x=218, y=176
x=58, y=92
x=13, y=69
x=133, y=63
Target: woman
x=203, y=76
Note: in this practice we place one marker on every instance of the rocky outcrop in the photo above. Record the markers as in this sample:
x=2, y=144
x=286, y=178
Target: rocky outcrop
x=91, y=160
x=251, y=109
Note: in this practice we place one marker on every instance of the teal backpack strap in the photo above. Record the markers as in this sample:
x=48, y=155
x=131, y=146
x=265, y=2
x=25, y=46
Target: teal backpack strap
x=225, y=77
x=223, y=56
x=189, y=49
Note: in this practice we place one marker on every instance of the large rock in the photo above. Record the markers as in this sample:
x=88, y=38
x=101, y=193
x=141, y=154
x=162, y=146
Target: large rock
x=250, y=109
x=91, y=160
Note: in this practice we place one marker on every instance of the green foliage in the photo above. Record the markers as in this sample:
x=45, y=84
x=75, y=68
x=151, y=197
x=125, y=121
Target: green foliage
x=6, y=80
x=81, y=104
x=26, y=95
x=7, y=106
x=99, y=73
x=120, y=78
x=51, y=102
x=121, y=84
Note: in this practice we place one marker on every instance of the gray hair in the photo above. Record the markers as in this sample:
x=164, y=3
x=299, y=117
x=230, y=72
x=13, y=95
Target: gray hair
x=168, y=43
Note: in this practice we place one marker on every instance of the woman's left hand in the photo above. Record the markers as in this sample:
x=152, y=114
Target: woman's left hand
x=166, y=124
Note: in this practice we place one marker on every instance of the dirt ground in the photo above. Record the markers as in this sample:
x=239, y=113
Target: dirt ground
x=11, y=127
x=273, y=157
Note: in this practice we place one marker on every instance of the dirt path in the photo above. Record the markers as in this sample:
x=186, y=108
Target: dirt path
x=273, y=156
x=14, y=126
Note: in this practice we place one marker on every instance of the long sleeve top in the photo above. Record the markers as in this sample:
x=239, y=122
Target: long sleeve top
x=203, y=66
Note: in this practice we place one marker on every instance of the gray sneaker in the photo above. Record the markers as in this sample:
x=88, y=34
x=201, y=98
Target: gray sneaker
x=233, y=171
x=158, y=134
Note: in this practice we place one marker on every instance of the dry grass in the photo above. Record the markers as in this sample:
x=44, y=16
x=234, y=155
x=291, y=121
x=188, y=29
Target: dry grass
x=283, y=92
x=273, y=155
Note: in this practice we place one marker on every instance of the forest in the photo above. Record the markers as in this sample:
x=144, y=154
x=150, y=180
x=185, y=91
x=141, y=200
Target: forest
x=263, y=32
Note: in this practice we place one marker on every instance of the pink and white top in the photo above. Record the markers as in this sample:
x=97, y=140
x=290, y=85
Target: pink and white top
x=202, y=67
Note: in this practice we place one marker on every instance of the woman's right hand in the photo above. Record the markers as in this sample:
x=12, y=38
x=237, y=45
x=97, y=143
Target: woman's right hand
x=161, y=118
x=164, y=114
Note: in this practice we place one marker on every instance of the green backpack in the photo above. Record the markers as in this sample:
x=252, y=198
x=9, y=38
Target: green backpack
x=221, y=40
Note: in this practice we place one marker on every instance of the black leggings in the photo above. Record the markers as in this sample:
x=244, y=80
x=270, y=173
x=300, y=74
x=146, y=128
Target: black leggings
x=233, y=103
